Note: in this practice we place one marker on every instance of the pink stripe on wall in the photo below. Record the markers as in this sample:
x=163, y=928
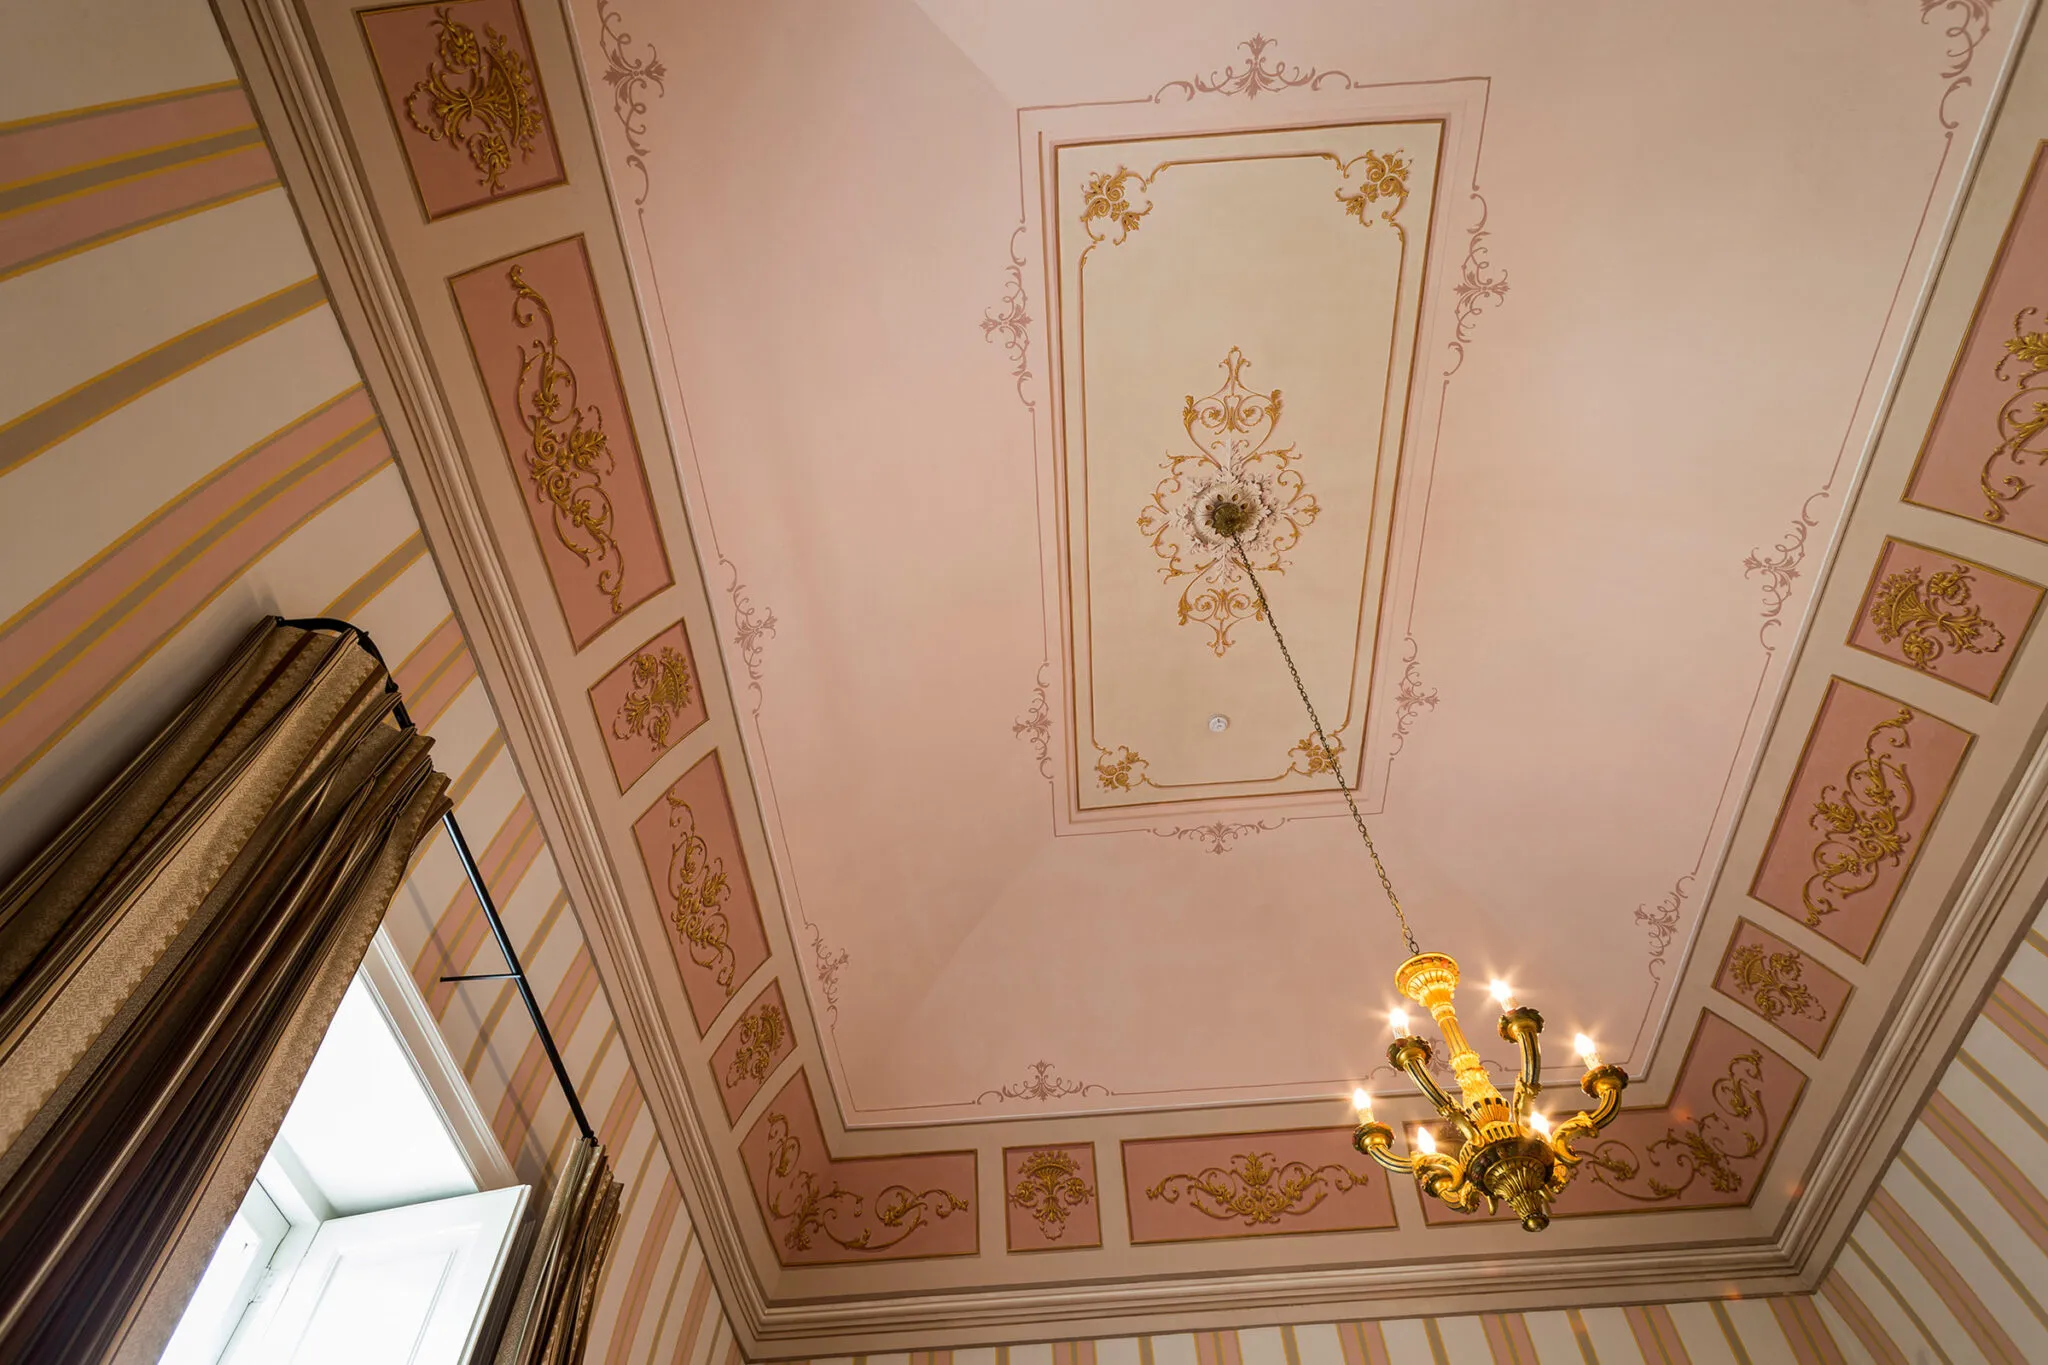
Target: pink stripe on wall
x=1657, y=1335
x=1982, y=1158
x=626, y=1323
x=2020, y=1019
x=1507, y=1336
x=1941, y=1274
x=693, y=1316
x=62, y=653
x=44, y=232
x=532, y=1077
x=434, y=674
x=618, y=1120
x=1217, y=1348
x=1364, y=1343
x=1806, y=1329
x=33, y=150
x=1861, y=1320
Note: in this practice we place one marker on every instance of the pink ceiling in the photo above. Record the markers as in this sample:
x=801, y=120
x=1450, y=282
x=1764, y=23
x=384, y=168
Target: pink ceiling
x=1661, y=304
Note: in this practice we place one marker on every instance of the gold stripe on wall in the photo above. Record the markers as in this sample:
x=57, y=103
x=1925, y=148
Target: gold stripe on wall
x=35, y=431
x=40, y=191
x=381, y=575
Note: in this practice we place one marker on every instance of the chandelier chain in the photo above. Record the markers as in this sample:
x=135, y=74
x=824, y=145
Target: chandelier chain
x=1329, y=753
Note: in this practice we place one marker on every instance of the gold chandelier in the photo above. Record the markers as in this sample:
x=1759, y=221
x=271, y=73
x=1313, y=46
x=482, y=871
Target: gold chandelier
x=1509, y=1152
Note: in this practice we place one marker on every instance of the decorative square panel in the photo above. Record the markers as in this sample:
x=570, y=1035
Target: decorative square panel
x=1202, y=1189
x=1050, y=1198
x=823, y=1210
x=753, y=1048
x=537, y=332
x=1945, y=616
x=1235, y=319
x=713, y=923
x=1873, y=776
x=465, y=100
x=1781, y=985
x=1985, y=448
x=648, y=704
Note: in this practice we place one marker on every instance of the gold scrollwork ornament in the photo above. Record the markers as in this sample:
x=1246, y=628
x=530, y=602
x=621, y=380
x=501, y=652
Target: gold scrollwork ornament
x=698, y=886
x=481, y=99
x=570, y=455
x=1736, y=1130
x=1860, y=821
x=1231, y=430
x=1932, y=616
x=792, y=1194
x=1256, y=1188
x=1050, y=1188
x=760, y=1034
x=2022, y=416
x=1120, y=769
x=1772, y=980
x=661, y=691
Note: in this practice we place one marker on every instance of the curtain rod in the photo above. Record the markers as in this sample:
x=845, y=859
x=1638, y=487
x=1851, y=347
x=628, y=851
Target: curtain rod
x=516, y=973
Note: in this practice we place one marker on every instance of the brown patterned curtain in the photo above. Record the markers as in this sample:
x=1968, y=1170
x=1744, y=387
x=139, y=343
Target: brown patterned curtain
x=168, y=966
x=550, y=1319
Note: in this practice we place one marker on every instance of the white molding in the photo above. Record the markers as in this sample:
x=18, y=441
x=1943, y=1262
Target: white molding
x=272, y=42
x=405, y=1009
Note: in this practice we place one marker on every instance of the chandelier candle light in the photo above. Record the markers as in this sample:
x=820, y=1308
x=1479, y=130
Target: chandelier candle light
x=1509, y=1152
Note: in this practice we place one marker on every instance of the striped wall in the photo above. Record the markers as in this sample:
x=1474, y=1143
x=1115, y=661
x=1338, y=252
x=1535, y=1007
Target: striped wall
x=185, y=444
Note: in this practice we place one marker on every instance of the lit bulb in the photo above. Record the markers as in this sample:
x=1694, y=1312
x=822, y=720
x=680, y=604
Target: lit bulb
x=1425, y=1142
x=1539, y=1125
x=1505, y=996
x=1586, y=1052
x=1362, y=1102
x=1399, y=1020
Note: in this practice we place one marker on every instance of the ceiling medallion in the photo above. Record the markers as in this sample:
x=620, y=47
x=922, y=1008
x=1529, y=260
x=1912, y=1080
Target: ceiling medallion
x=1509, y=1151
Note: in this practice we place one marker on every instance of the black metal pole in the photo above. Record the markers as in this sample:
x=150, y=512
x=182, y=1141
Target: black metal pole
x=518, y=973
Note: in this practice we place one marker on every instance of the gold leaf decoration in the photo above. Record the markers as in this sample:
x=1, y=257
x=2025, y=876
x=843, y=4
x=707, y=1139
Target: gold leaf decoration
x=793, y=1195
x=479, y=96
x=2022, y=416
x=1736, y=1130
x=1860, y=821
x=1106, y=208
x=1256, y=1188
x=1120, y=769
x=697, y=884
x=1933, y=616
x=1230, y=430
x=1382, y=177
x=1308, y=757
x=761, y=1032
x=661, y=692
x=570, y=455
x=1050, y=1187
x=1772, y=979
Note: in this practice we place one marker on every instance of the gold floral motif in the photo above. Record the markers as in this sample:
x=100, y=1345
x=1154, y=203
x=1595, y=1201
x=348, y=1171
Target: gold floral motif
x=571, y=454
x=761, y=1032
x=2022, y=417
x=1120, y=769
x=1860, y=821
x=698, y=886
x=481, y=97
x=1050, y=1188
x=1257, y=1188
x=1773, y=982
x=661, y=691
x=794, y=1195
x=1308, y=757
x=1384, y=176
x=1041, y=1085
x=1917, y=613
x=1230, y=430
x=1737, y=1130
x=1106, y=209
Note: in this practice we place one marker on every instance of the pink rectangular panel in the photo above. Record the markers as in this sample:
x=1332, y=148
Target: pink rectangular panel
x=822, y=1210
x=1707, y=1147
x=465, y=100
x=754, y=1046
x=649, y=703
x=1776, y=982
x=692, y=849
x=1874, y=774
x=1050, y=1198
x=1945, y=616
x=1985, y=450
x=537, y=332
x=1252, y=1185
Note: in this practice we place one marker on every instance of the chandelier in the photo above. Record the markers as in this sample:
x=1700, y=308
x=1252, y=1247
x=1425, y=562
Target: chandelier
x=1508, y=1152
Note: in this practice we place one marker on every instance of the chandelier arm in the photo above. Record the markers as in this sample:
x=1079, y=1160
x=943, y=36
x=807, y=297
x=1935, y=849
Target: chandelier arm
x=1376, y=1140
x=1524, y=1028
x=1329, y=751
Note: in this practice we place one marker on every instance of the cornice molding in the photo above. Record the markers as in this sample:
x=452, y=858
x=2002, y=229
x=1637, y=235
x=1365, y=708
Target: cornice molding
x=272, y=41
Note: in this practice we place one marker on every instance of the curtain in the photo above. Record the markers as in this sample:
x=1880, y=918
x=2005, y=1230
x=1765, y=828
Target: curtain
x=549, y=1322
x=168, y=966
